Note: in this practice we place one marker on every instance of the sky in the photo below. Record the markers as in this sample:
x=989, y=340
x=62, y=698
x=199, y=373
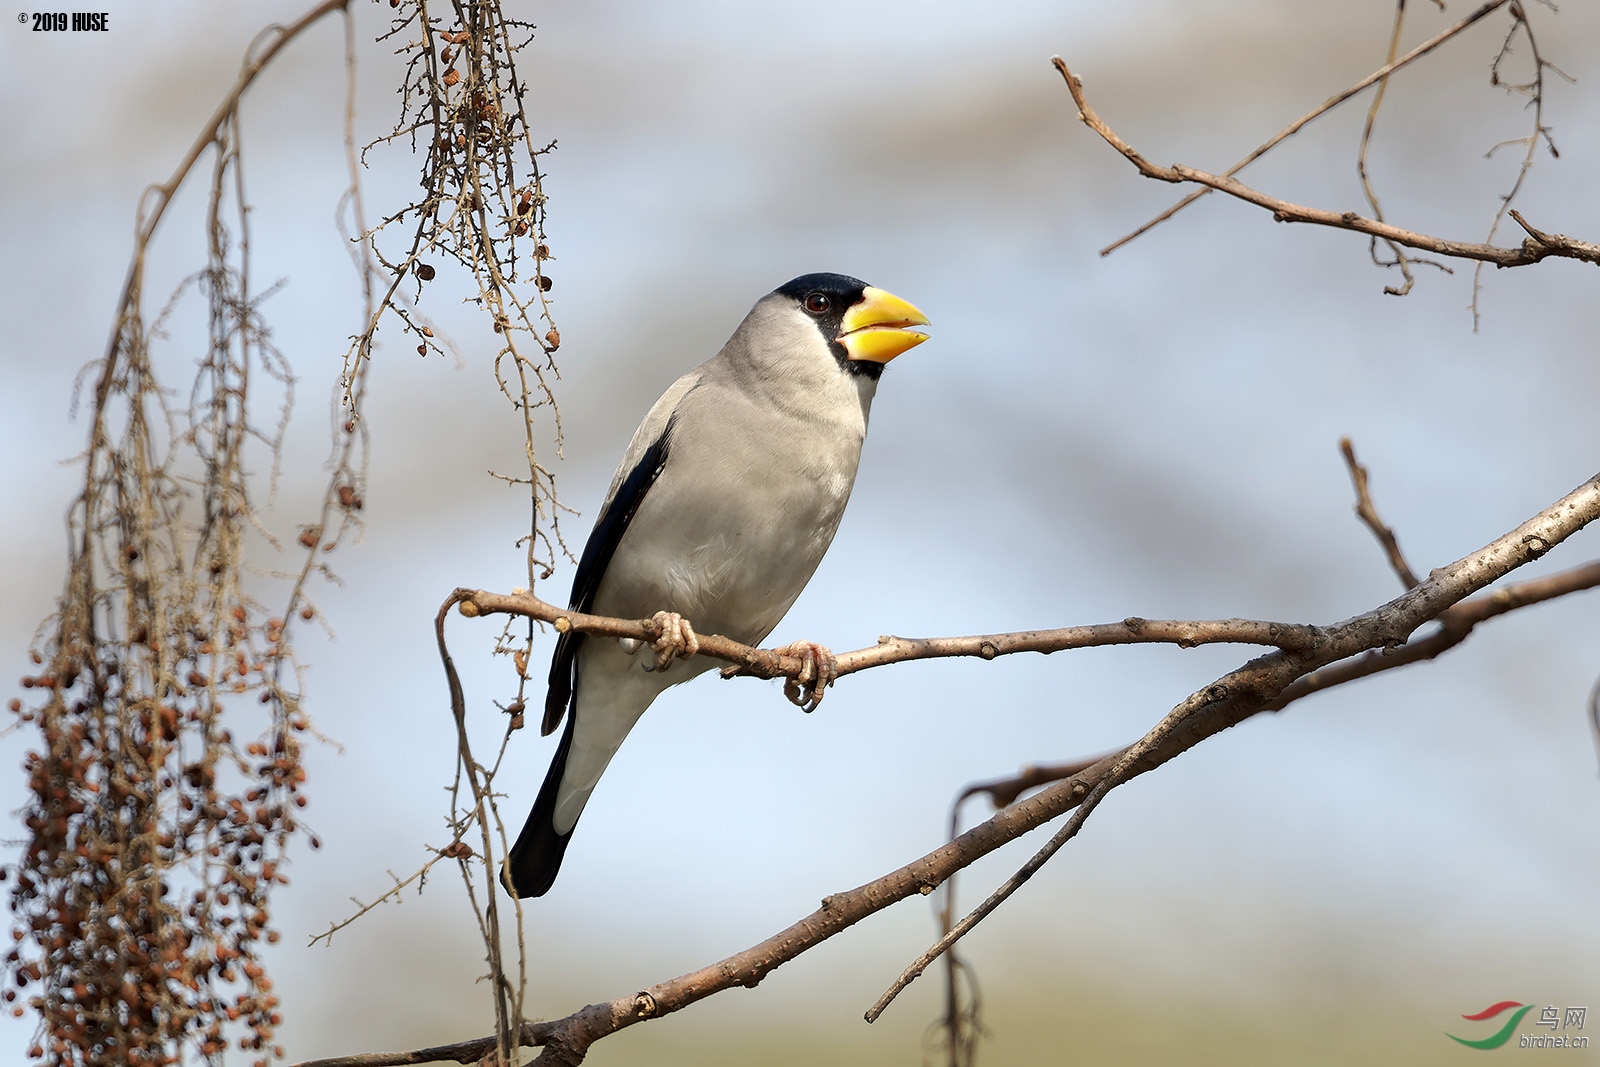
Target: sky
x=1151, y=433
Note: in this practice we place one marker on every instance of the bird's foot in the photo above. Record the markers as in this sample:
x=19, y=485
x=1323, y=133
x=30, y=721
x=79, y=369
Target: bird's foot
x=821, y=669
x=675, y=639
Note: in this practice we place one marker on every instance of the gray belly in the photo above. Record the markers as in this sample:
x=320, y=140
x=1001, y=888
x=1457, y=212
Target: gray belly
x=731, y=548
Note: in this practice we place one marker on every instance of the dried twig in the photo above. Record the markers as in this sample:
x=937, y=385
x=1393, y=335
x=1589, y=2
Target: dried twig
x=962, y=1023
x=1300, y=123
x=1533, y=89
x=1368, y=514
x=1399, y=258
x=1533, y=249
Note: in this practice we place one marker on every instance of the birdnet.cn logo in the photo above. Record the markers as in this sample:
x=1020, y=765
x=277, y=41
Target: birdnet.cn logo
x=1561, y=1024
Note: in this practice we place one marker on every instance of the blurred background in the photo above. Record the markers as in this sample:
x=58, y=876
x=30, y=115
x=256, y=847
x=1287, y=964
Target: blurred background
x=1154, y=433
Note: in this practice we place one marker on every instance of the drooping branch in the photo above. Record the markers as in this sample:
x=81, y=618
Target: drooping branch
x=1266, y=683
x=141, y=897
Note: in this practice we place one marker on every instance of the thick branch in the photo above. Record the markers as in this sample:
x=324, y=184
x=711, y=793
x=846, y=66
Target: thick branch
x=1266, y=683
x=1260, y=684
x=1535, y=247
x=1454, y=627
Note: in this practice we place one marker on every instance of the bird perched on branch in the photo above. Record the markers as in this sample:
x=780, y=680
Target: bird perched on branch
x=720, y=511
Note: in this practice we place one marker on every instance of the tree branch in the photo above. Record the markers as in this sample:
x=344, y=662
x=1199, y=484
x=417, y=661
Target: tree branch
x=768, y=663
x=1264, y=684
x=1535, y=247
x=1368, y=514
x=1379, y=75
x=1261, y=684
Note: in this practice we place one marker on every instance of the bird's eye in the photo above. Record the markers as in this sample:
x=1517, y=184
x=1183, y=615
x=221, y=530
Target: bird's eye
x=817, y=303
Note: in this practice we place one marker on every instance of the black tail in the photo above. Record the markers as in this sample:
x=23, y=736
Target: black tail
x=530, y=869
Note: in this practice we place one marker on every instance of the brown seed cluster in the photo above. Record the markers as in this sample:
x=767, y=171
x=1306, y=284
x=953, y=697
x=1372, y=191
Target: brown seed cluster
x=141, y=901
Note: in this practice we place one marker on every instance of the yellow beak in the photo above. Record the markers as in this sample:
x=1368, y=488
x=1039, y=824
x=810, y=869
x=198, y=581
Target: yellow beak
x=875, y=327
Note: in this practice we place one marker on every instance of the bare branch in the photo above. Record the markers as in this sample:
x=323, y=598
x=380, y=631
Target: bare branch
x=1532, y=250
x=1005, y=791
x=1400, y=259
x=768, y=663
x=1263, y=683
x=1267, y=683
x=1533, y=89
x=1300, y=123
x=1368, y=514
x=1455, y=625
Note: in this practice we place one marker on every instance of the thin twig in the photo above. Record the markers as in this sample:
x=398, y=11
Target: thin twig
x=1532, y=250
x=1400, y=259
x=1298, y=124
x=1368, y=514
x=1005, y=791
x=394, y=891
x=1068, y=831
x=1534, y=91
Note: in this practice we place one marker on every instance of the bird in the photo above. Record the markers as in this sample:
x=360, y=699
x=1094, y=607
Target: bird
x=720, y=511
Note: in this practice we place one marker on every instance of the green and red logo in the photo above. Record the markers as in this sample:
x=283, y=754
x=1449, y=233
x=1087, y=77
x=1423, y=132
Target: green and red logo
x=1501, y=1036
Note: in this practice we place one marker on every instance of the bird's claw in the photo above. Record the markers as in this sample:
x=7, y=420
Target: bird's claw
x=675, y=639
x=819, y=671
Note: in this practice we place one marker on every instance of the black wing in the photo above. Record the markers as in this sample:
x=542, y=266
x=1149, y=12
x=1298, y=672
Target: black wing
x=603, y=541
x=530, y=868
